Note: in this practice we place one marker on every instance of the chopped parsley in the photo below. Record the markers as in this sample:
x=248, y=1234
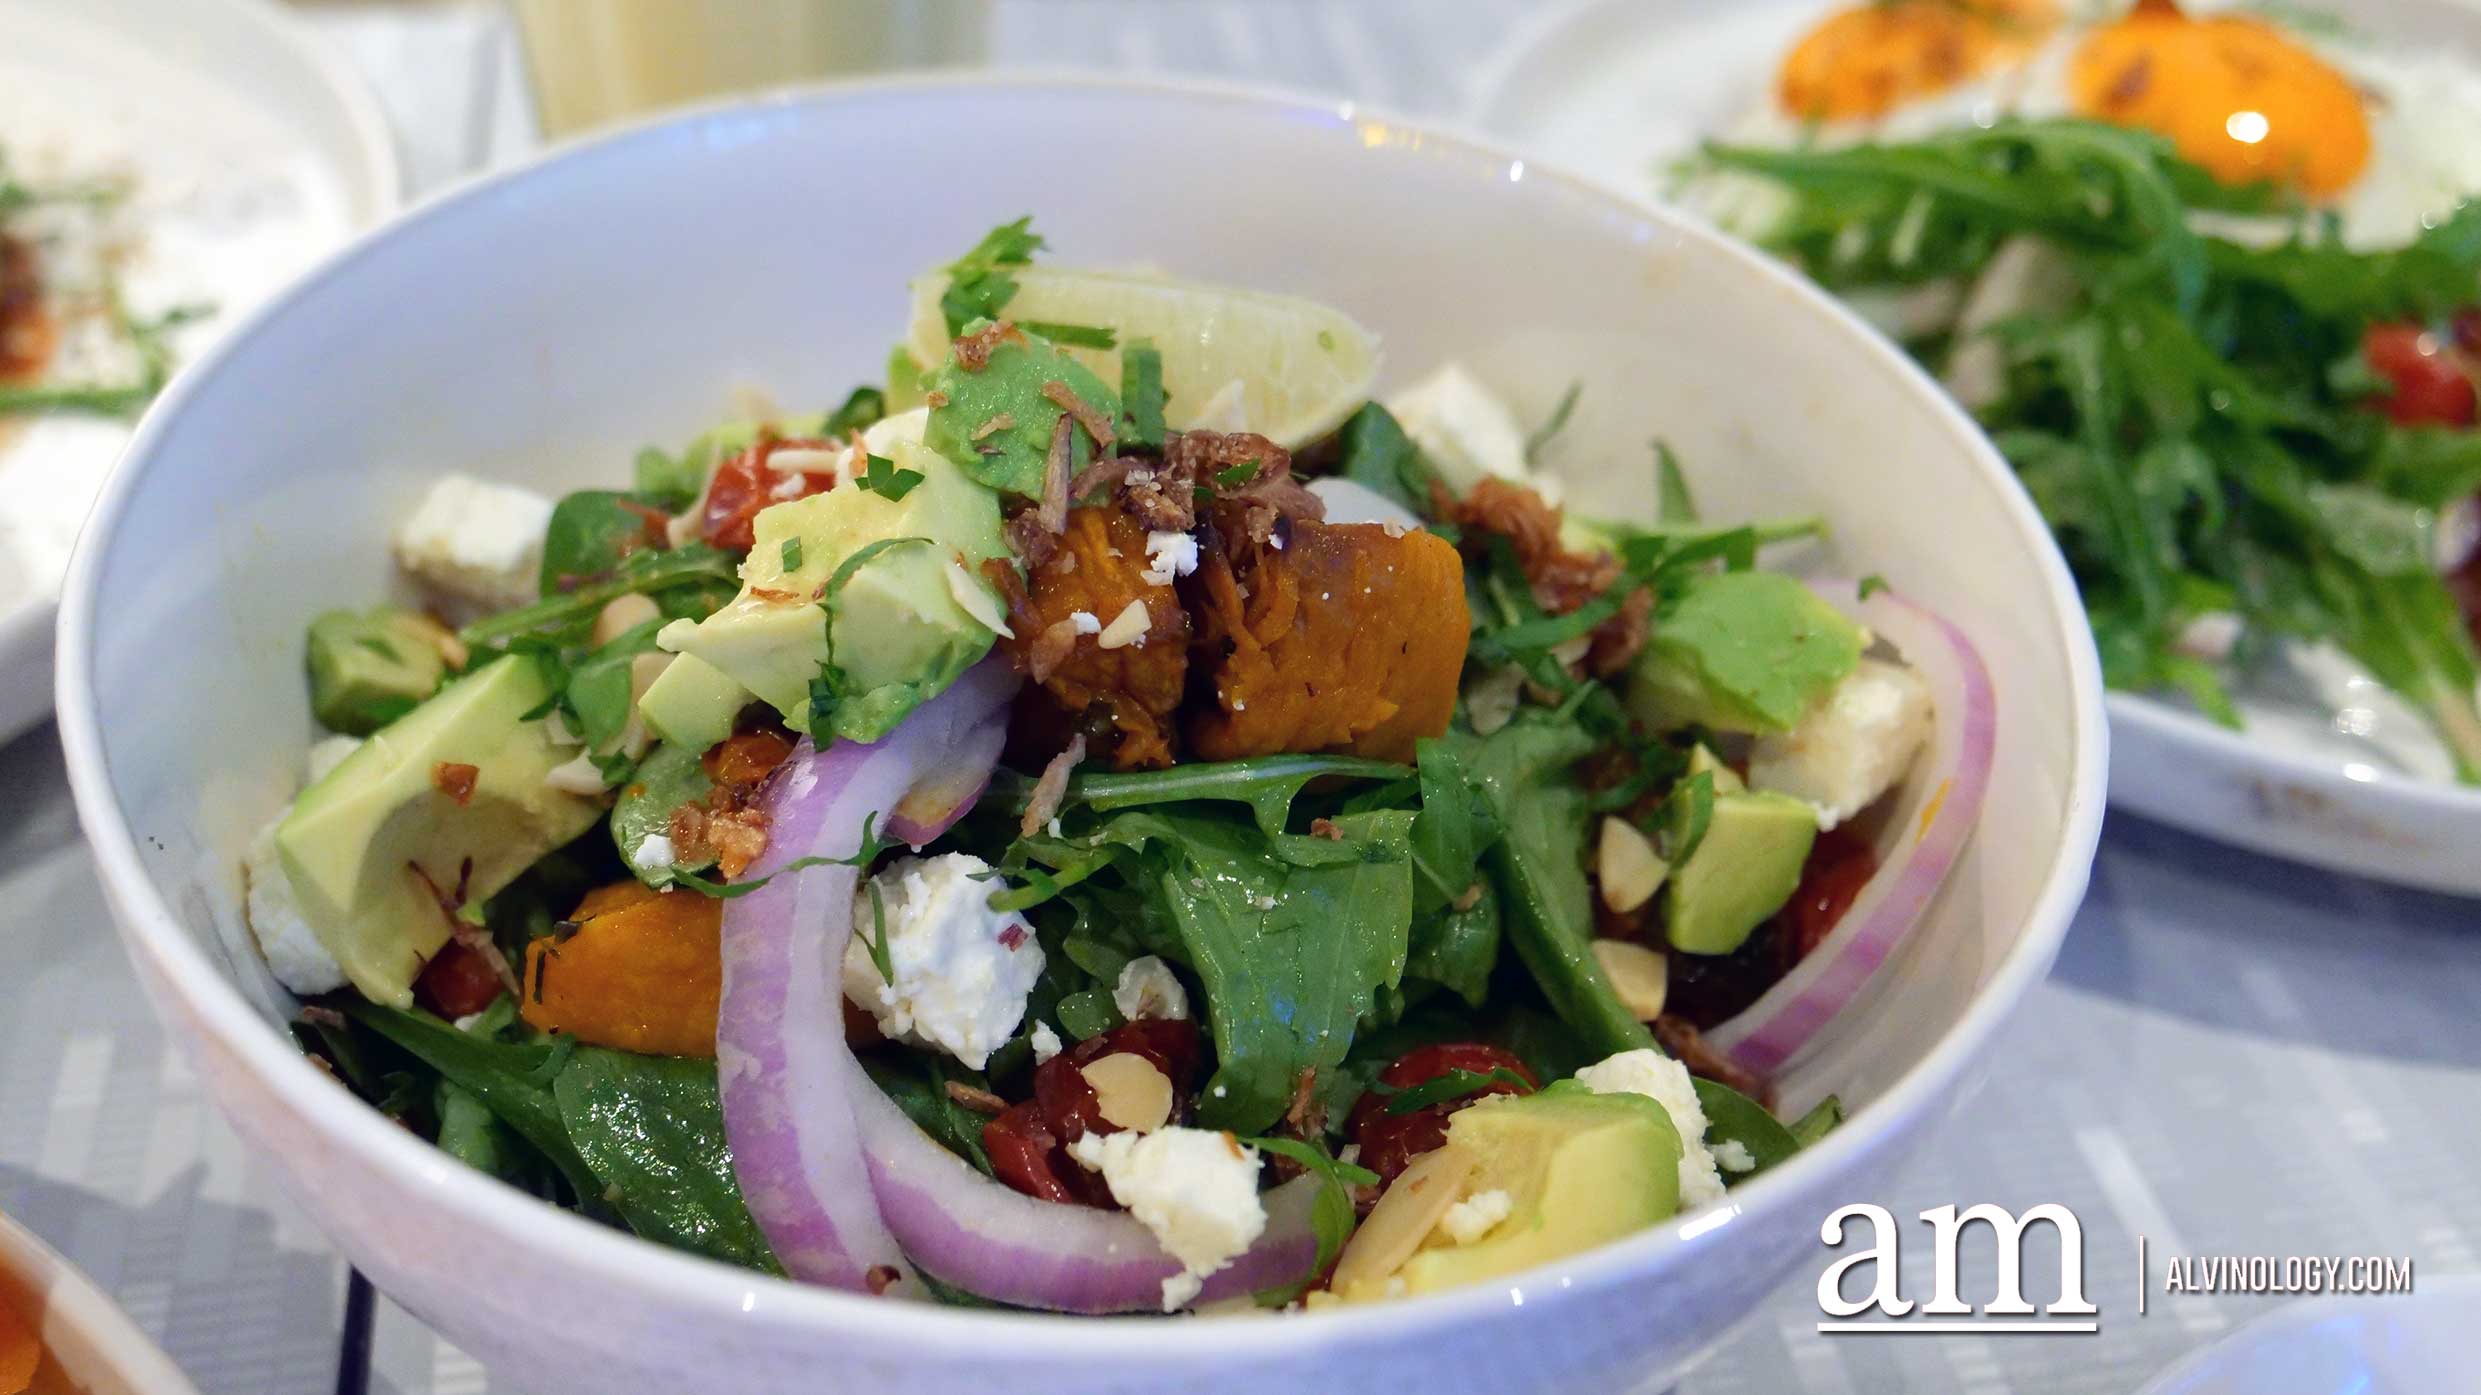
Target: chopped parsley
x=881, y=477
x=792, y=554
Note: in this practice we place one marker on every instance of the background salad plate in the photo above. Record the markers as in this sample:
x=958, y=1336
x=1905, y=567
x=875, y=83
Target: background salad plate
x=1619, y=90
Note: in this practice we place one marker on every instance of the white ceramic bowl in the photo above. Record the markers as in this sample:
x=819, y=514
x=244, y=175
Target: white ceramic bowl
x=543, y=325
x=87, y=1342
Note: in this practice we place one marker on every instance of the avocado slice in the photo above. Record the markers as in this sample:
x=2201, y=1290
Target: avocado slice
x=1579, y=1170
x=368, y=668
x=371, y=847
x=1744, y=870
x=1745, y=651
x=693, y=703
x=901, y=633
x=995, y=422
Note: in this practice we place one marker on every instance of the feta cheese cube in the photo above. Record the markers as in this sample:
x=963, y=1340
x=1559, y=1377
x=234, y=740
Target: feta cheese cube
x=1196, y=1189
x=962, y=970
x=1665, y=1081
x=476, y=544
x=1463, y=427
x=1853, y=747
x=286, y=941
x=1148, y=988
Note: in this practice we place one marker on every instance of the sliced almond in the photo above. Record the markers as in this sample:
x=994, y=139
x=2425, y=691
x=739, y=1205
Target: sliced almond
x=643, y=671
x=620, y=615
x=1126, y=628
x=1627, y=866
x=1129, y=1091
x=1403, y=1218
x=1640, y=977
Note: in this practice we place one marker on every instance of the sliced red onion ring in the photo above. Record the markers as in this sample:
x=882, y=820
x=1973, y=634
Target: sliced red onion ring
x=780, y=1055
x=834, y=1173
x=990, y=1240
x=943, y=796
x=1935, y=812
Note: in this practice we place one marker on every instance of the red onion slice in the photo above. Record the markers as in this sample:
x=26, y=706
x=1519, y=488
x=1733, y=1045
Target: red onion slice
x=1003, y=1245
x=780, y=1055
x=834, y=1173
x=943, y=796
x=1935, y=812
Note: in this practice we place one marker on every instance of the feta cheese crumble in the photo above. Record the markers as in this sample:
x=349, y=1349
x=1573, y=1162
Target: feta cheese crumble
x=1665, y=1081
x=653, y=854
x=1732, y=1155
x=479, y=545
x=1853, y=748
x=1173, y=553
x=1147, y=988
x=1084, y=622
x=1046, y=1043
x=962, y=970
x=1476, y=1216
x=291, y=948
x=1196, y=1189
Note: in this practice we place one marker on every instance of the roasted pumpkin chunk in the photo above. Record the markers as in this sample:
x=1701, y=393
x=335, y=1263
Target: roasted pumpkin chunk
x=1346, y=638
x=644, y=972
x=1112, y=673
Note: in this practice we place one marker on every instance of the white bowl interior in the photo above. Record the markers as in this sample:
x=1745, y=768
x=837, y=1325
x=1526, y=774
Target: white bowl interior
x=542, y=328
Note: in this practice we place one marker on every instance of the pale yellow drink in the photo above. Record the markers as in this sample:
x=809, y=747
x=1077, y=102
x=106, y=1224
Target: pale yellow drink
x=594, y=61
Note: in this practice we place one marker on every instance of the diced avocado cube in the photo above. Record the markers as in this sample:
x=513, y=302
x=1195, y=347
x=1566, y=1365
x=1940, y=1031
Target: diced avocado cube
x=1744, y=870
x=369, y=668
x=1578, y=1170
x=693, y=704
x=902, y=634
x=1745, y=651
x=450, y=798
x=997, y=423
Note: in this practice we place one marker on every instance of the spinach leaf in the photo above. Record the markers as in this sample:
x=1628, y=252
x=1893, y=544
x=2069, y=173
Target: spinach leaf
x=863, y=407
x=652, y=1129
x=1457, y=948
x=1732, y=1117
x=1539, y=864
x=1378, y=455
x=512, y=1081
x=668, y=778
x=591, y=532
x=1291, y=957
x=598, y=687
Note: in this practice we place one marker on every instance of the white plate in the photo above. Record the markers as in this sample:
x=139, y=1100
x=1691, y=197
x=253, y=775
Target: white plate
x=252, y=155
x=2395, y=1344
x=1616, y=90
x=96, y=1347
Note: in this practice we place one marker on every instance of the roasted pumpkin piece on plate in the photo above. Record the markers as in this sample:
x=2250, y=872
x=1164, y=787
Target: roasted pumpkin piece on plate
x=643, y=972
x=1346, y=637
x=1102, y=669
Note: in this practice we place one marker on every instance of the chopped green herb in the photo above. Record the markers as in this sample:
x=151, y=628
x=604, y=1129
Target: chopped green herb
x=1557, y=422
x=1140, y=426
x=1075, y=336
x=792, y=554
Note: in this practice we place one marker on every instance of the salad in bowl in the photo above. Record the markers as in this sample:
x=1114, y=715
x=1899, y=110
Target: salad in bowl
x=1114, y=819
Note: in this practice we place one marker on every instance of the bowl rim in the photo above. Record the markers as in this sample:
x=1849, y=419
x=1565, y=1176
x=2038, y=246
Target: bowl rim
x=78, y=1303
x=711, y=1290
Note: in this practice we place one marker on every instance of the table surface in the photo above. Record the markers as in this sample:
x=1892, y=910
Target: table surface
x=2234, y=1055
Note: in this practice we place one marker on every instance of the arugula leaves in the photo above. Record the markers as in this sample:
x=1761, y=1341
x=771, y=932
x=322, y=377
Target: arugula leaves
x=1524, y=770
x=1377, y=454
x=2190, y=411
x=1292, y=957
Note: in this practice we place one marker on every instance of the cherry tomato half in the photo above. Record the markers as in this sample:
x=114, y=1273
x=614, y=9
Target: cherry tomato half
x=458, y=982
x=2430, y=386
x=1390, y=1142
x=1839, y=865
x=745, y=485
